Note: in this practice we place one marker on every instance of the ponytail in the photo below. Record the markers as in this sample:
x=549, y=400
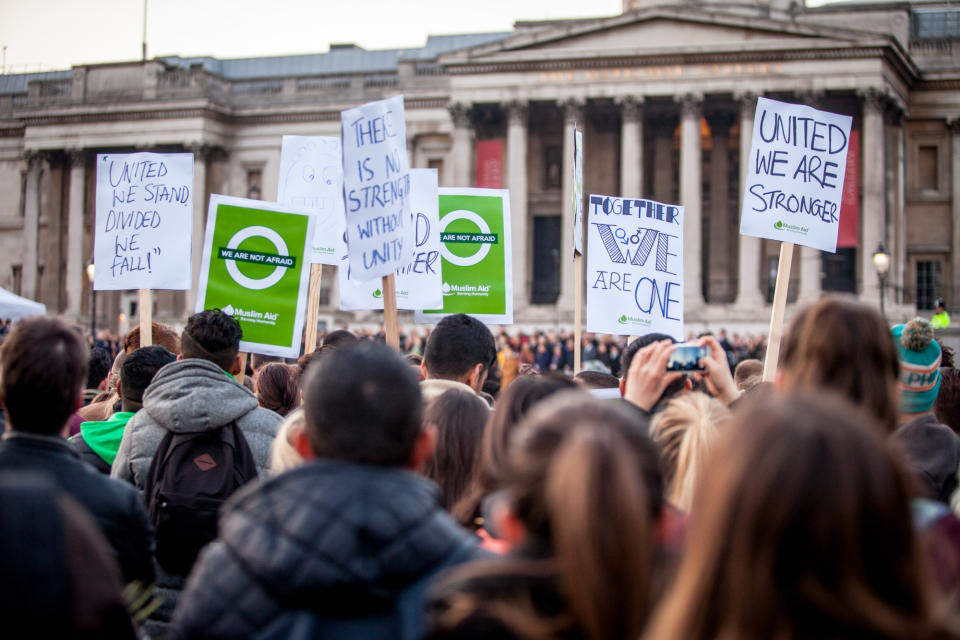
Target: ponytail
x=599, y=519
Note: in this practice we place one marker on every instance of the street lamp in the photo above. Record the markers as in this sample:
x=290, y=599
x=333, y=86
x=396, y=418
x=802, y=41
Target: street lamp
x=93, y=304
x=881, y=262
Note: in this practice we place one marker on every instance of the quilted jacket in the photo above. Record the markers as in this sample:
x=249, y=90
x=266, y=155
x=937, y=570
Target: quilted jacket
x=346, y=542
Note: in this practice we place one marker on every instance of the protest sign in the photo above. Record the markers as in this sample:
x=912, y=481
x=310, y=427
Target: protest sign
x=144, y=221
x=577, y=245
x=476, y=261
x=577, y=192
x=419, y=282
x=376, y=184
x=635, y=267
x=311, y=179
x=796, y=167
x=254, y=267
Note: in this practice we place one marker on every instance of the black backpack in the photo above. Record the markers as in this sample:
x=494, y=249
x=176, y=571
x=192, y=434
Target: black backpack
x=191, y=476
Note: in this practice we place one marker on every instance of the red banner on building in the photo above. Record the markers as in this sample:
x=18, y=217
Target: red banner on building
x=490, y=164
x=849, y=233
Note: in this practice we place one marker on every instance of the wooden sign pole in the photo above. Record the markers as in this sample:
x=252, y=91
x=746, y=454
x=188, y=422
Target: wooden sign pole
x=145, y=305
x=391, y=320
x=577, y=310
x=779, y=307
x=313, y=308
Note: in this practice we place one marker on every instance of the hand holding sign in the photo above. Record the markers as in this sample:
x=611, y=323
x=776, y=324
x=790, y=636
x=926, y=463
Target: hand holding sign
x=144, y=221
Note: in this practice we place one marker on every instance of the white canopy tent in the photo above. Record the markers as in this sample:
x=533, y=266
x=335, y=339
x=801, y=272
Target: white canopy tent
x=16, y=307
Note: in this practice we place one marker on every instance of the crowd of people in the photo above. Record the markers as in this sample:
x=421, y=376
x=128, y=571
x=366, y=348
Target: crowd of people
x=470, y=487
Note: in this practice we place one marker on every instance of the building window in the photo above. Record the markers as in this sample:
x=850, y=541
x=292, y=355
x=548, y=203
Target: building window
x=254, y=184
x=928, y=284
x=17, y=284
x=23, y=194
x=547, y=234
x=927, y=168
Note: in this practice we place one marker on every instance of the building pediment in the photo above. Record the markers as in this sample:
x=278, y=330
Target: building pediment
x=657, y=31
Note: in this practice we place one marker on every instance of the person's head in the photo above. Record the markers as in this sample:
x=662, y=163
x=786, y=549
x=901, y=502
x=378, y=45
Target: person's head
x=44, y=364
x=276, y=388
x=941, y=305
x=686, y=430
x=576, y=482
x=339, y=338
x=748, y=374
x=844, y=347
x=283, y=450
x=597, y=380
x=919, y=357
x=631, y=350
x=947, y=406
x=214, y=336
x=98, y=368
x=460, y=348
x=363, y=404
x=161, y=335
x=459, y=418
x=259, y=361
x=137, y=372
x=803, y=529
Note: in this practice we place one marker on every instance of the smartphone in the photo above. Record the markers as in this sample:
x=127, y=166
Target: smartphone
x=687, y=358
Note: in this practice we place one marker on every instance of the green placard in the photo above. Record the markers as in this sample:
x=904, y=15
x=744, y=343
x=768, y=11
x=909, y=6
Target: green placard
x=256, y=268
x=476, y=255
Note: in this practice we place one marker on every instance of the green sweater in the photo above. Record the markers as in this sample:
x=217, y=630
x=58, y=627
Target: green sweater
x=104, y=437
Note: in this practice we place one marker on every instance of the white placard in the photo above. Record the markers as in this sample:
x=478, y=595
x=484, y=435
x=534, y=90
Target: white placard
x=311, y=178
x=419, y=284
x=144, y=221
x=796, y=167
x=634, y=267
x=376, y=186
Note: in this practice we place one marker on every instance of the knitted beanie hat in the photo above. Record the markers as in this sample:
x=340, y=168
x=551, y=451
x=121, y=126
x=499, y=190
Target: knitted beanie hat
x=919, y=356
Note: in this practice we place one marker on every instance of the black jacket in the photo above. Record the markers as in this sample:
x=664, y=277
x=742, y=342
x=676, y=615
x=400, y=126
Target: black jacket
x=114, y=505
x=347, y=542
x=88, y=455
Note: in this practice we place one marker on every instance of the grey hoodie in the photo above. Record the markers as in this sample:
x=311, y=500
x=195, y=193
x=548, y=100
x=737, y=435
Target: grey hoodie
x=188, y=396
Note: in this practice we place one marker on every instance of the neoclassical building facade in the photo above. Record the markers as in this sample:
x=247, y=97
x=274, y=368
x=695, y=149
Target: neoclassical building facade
x=665, y=93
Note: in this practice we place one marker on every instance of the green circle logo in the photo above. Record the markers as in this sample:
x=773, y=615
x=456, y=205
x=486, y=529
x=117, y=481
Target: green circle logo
x=778, y=225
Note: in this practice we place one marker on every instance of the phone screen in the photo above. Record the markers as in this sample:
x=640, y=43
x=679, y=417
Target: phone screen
x=686, y=358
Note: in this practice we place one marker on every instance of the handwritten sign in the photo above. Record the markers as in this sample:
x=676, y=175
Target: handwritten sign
x=634, y=267
x=475, y=250
x=794, y=184
x=377, y=185
x=577, y=192
x=144, y=221
x=311, y=178
x=419, y=282
x=256, y=267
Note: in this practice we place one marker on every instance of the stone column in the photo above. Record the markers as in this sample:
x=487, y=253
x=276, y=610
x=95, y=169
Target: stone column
x=517, y=184
x=572, y=114
x=749, y=248
x=201, y=152
x=461, y=145
x=872, y=218
x=31, y=225
x=631, y=147
x=954, y=303
x=75, y=257
x=690, y=198
x=721, y=250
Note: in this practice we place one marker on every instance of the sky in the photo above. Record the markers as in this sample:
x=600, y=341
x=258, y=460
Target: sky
x=42, y=35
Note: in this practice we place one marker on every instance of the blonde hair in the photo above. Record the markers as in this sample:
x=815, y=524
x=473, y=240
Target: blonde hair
x=283, y=455
x=686, y=430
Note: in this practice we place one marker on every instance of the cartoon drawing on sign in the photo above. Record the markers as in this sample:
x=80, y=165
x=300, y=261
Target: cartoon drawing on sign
x=311, y=178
